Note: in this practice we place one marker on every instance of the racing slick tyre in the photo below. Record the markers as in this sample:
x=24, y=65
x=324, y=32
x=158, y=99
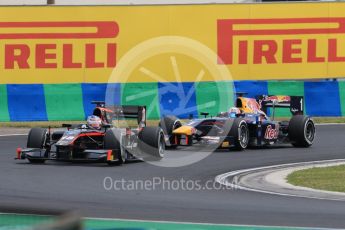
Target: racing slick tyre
x=240, y=132
x=152, y=143
x=36, y=139
x=112, y=141
x=169, y=124
x=301, y=131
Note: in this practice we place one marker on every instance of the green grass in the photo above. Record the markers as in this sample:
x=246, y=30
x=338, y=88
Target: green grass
x=325, y=178
x=57, y=124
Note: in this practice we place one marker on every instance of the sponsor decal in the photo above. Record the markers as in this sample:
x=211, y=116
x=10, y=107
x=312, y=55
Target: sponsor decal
x=291, y=49
x=294, y=110
x=87, y=44
x=271, y=133
x=53, y=54
x=277, y=98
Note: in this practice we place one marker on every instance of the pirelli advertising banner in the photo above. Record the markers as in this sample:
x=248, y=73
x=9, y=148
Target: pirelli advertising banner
x=94, y=44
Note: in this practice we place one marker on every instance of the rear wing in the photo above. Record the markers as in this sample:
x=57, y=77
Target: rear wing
x=129, y=112
x=294, y=103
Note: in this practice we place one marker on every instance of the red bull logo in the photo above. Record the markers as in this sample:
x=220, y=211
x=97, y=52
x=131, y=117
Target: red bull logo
x=271, y=134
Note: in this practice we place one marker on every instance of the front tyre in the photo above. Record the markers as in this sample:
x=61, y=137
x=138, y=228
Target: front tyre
x=169, y=124
x=240, y=132
x=152, y=143
x=301, y=131
x=37, y=138
x=112, y=141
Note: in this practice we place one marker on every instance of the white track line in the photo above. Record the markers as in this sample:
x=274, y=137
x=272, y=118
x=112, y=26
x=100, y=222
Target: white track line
x=325, y=124
x=222, y=179
x=15, y=134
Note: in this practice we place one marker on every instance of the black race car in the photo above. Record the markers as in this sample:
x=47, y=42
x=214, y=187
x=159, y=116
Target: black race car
x=244, y=125
x=113, y=145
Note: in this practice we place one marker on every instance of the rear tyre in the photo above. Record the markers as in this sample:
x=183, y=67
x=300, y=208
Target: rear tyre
x=168, y=125
x=240, y=132
x=301, y=131
x=112, y=141
x=37, y=138
x=152, y=143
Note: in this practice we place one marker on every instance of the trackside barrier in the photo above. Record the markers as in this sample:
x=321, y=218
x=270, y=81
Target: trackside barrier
x=53, y=102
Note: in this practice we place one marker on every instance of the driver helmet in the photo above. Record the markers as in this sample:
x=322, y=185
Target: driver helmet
x=234, y=111
x=94, y=122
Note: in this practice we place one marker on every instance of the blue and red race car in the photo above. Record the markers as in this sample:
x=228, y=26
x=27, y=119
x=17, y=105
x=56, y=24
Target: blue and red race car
x=245, y=125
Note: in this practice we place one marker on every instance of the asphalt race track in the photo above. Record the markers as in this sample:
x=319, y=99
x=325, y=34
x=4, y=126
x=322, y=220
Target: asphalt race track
x=56, y=187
